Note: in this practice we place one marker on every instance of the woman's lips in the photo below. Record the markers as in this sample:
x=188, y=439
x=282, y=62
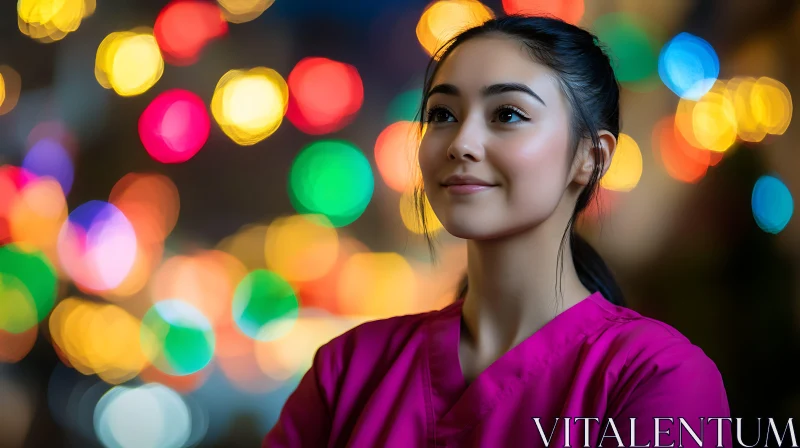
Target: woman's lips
x=467, y=188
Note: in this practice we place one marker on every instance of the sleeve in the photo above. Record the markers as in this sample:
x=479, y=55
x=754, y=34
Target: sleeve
x=670, y=395
x=305, y=420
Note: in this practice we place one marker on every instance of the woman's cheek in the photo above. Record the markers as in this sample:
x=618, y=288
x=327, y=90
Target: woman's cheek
x=535, y=180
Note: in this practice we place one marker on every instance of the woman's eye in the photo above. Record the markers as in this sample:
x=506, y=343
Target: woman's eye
x=509, y=115
x=440, y=115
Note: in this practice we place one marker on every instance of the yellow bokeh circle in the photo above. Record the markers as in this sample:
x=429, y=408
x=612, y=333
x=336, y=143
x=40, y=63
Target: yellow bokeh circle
x=771, y=105
x=2, y=89
x=376, y=285
x=741, y=90
x=444, y=19
x=129, y=62
x=626, y=166
x=249, y=105
x=714, y=119
x=301, y=247
x=99, y=339
x=240, y=11
x=52, y=20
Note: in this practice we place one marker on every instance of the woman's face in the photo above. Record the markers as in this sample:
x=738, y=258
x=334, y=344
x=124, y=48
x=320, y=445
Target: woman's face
x=495, y=114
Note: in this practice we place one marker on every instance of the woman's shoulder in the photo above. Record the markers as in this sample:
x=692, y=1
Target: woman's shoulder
x=660, y=370
x=652, y=348
x=629, y=329
x=654, y=370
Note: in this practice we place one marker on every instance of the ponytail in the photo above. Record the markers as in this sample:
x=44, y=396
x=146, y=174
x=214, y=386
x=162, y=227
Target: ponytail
x=593, y=271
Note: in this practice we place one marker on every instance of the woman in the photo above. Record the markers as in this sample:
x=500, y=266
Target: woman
x=521, y=119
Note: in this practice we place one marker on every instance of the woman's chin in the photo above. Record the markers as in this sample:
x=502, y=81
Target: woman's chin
x=470, y=231
x=488, y=229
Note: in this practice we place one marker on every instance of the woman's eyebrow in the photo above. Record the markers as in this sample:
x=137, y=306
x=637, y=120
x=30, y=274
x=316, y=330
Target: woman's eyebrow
x=494, y=89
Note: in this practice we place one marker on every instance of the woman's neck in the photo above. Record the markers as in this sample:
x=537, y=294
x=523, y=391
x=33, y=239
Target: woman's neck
x=512, y=289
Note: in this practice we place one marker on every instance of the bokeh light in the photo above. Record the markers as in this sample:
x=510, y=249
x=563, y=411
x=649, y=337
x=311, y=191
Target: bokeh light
x=28, y=284
x=183, y=384
x=184, y=27
x=377, y=285
x=175, y=126
x=17, y=309
x=12, y=180
x=684, y=121
x=324, y=95
x=200, y=419
x=100, y=339
x=688, y=65
x=148, y=415
x=771, y=105
x=10, y=88
x=148, y=257
x=570, y=11
x=236, y=358
x=247, y=245
x=48, y=157
x=410, y=216
x=181, y=335
x=264, y=305
x=680, y=159
x=206, y=280
x=151, y=203
x=106, y=51
x=37, y=215
x=241, y=366
x=633, y=53
x=291, y=355
x=395, y=154
x=745, y=108
x=129, y=62
x=97, y=246
x=51, y=20
x=241, y=11
x=772, y=204
x=626, y=166
x=405, y=106
x=444, y=19
x=322, y=292
x=741, y=90
x=15, y=346
x=437, y=284
x=333, y=178
x=249, y=105
x=714, y=123
x=604, y=203
x=301, y=247
x=55, y=130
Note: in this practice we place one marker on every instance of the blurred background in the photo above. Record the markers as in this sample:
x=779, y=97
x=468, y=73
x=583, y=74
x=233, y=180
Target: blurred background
x=196, y=195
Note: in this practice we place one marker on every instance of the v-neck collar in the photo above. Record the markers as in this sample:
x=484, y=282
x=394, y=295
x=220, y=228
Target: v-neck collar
x=457, y=406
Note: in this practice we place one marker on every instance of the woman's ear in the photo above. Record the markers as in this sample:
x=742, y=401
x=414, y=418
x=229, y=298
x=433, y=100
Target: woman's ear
x=585, y=160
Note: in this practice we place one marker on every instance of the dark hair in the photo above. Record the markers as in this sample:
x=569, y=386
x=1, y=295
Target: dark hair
x=587, y=80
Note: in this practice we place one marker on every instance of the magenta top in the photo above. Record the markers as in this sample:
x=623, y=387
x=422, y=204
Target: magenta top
x=397, y=382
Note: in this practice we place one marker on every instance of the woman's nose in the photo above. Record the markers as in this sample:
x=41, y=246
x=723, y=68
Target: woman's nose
x=467, y=144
